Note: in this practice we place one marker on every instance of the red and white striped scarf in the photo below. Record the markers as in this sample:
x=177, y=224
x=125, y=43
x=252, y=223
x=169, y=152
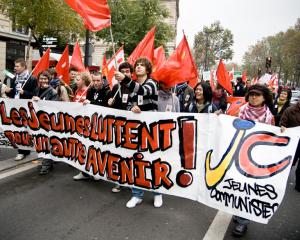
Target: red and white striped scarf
x=257, y=114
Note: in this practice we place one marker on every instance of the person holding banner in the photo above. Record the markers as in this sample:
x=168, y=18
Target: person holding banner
x=45, y=92
x=98, y=93
x=144, y=98
x=83, y=80
x=258, y=109
x=22, y=86
x=291, y=118
x=202, y=102
x=120, y=99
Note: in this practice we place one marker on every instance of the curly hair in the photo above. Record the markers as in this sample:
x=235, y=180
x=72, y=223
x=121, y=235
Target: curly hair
x=146, y=63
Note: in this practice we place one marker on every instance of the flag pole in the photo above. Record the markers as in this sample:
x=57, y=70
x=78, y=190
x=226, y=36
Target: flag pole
x=116, y=64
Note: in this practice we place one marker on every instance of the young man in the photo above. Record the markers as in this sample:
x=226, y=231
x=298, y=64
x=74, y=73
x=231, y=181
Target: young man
x=144, y=98
x=120, y=98
x=22, y=86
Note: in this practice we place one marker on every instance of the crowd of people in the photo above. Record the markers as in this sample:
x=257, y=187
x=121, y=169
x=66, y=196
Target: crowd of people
x=146, y=94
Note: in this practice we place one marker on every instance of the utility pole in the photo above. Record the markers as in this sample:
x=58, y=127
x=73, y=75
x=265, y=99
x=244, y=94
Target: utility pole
x=87, y=48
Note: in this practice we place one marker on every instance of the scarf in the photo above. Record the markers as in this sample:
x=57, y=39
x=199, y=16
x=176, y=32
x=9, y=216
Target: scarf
x=257, y=114
x=280, y=104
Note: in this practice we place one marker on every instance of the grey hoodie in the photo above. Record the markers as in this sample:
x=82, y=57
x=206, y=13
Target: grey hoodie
x=167, y=102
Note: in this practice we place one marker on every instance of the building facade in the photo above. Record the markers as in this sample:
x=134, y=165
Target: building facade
x=13, y=43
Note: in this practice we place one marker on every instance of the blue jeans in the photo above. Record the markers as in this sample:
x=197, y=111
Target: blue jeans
x=140, y=193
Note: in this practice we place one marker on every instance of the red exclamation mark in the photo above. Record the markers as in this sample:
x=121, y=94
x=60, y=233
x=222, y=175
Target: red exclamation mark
x=187, y=148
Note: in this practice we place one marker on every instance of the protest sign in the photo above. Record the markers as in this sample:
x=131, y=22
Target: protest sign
x=237, y=166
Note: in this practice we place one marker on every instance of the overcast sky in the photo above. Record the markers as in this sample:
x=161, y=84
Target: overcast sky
x=248, y=20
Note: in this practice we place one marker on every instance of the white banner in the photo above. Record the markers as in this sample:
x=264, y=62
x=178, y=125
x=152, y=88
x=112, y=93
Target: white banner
x=237, y=166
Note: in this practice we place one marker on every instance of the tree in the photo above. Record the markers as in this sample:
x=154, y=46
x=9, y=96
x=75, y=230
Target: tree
x=283, y=48
x=212, y=43
x=132, y=19
x=43, y=18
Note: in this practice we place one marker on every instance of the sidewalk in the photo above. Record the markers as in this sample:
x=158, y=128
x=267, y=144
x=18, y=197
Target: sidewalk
x=10, y=163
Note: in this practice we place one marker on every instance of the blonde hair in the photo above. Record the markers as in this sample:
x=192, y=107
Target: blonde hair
x=86, y=78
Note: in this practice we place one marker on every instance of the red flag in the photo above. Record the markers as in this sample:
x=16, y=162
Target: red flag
x=274, y=82
x=62, y=67
x=244, y=76
x=235, y=104
x=95, y=13
x=159, y=58
x=76, y=60
x=111, y=65
x=179, y=68
x=43, y=64
x=104, y=66
x=223, y=77
x=211, y=81
x=144, y=49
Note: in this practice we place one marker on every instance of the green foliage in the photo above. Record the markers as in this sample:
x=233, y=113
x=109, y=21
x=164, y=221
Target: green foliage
x=131, y=20
x=44, y=17
x=283, y=48
x=213, y=43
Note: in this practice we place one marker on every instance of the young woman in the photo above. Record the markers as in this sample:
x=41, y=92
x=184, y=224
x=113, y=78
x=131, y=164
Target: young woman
x=257, y=108
x=82, y=81
x=202, y=102
x=45, y=92
x=281, y=103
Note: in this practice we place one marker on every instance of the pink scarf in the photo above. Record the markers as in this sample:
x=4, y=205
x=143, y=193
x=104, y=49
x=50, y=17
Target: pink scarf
x=257, y=114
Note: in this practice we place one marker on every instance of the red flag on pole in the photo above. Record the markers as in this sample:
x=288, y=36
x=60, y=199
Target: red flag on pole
x=62, y=67
x=95, y=13
x=76, y=60
x=223, y=77
x=144, y=49
x=104, y=66
x=111, y=65
x=179, y=68
x=159, y=58
x=43, y=64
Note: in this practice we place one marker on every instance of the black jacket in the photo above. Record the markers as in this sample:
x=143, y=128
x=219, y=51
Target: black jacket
x=121, y=100
x=277, y=114
x=46, y=94
x=99, y=97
